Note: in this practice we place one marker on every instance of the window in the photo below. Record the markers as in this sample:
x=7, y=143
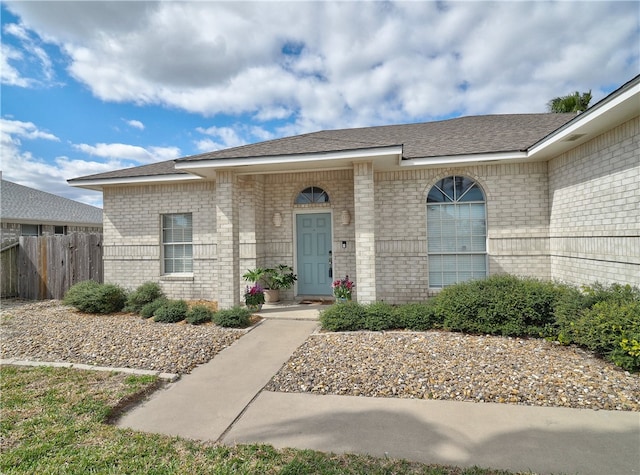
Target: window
x=31, y=230
x=456, y=232
x=59, y=230
x=177, y=242
x=313, y=194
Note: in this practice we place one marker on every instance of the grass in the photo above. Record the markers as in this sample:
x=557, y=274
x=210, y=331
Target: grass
x=53, y=422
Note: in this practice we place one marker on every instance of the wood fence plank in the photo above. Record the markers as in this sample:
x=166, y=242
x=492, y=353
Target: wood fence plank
x=49, y=265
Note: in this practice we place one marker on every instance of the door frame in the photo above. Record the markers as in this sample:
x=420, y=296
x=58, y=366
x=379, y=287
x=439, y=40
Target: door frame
x=296, y=212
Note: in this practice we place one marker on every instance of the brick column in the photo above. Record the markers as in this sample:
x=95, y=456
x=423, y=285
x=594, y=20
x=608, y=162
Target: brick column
x=227, y=240
x=365, y=222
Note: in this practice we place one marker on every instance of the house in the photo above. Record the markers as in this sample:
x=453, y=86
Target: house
x=403, y=209
x=26, y=211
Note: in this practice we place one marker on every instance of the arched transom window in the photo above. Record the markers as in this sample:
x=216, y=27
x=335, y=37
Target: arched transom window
x=313, y=194
x=456, y=231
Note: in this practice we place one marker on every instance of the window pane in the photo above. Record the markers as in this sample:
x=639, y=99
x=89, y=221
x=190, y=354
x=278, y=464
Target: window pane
x=177, y=237
x=456, y=232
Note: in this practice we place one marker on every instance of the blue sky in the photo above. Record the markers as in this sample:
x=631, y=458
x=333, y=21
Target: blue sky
x=89, y=87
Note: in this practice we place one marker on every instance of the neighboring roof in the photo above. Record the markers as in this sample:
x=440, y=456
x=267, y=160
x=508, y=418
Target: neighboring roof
x=22, y=204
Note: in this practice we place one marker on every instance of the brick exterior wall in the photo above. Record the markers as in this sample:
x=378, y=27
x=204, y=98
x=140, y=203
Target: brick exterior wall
x=517, y=215
x=575, y=218
x=11, y=232
x=595, y=209
x=132, y=236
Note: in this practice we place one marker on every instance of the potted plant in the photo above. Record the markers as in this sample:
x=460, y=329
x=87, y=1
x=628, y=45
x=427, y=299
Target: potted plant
x=281, y=277
x=342, y=289
x=254, y=297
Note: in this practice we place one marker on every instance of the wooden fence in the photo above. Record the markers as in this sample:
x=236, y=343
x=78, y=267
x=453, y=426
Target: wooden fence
x=9, y=270
x=49, y=265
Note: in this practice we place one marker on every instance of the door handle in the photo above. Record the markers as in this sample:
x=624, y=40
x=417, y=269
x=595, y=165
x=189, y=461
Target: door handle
x=330, y=264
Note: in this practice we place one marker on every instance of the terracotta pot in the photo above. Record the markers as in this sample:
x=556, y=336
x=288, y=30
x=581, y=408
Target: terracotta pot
x=272, y=295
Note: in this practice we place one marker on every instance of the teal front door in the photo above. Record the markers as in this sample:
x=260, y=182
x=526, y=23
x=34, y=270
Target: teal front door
x=313, y=237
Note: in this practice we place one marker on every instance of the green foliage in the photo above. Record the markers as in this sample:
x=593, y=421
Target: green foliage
x=281, y=277
x=500, y=305
x=419, y=316
x=171, y=312
x=149, y=309
x=380, y=316
x=92, y=297
x=235, y=317
x=571, y=103
x=146, y=293
x=347, y=316
x=199, y=314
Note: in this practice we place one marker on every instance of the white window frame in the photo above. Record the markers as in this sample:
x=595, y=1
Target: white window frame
x=174, y=244
x=456, y=203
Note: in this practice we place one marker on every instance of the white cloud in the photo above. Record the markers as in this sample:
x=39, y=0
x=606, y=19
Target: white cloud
x=31, y=45
x=312, y=65
x=135, y=153
x=136, y=124
x=13, y=130
x=23, y=168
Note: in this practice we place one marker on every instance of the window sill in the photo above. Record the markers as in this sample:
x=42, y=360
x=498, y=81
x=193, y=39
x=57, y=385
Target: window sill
x=176, y=278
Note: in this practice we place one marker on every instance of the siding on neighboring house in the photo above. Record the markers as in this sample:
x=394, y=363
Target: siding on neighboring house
x=594, y=192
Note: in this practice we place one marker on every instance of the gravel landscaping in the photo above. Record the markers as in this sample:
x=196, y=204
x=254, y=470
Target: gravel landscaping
x=455, y=366
x=52, y=332
x=436, y=365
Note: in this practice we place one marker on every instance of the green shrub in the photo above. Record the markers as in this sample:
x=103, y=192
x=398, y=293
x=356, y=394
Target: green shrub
x=499, y=305
x=380, y=316
x=146, y=293
x=149, y=309
x=92, y=297
x=171, y=312
x=419, y=316
x=199, y=314
x=347, y=316
x=235, y=317
x=603, y=328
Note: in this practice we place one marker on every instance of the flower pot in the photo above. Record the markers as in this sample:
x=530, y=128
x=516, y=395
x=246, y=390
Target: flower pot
x=341, y=299
x=254, y=308
x=272, y=295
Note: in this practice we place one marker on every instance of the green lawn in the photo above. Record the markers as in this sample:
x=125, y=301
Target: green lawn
x=53, y=422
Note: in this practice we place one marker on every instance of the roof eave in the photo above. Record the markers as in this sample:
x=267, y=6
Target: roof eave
x=276, y=163
x=615, y=109
x=98, y=184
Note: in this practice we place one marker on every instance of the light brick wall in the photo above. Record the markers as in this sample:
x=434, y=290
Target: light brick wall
x=365, y=220
x=595, y=209
x=227, y=237
x=517, y=224
x=279, y=194
x=132, y=236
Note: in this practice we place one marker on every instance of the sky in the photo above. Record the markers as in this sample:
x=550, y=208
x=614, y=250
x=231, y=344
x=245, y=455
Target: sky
x=89, y=87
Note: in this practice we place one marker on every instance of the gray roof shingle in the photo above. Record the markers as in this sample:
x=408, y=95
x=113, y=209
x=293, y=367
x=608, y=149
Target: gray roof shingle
x=20, y=203
x=461, y=136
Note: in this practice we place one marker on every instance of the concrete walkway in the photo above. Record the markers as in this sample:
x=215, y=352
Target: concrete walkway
x=223, y=401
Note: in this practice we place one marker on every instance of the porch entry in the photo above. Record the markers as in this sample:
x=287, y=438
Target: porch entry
x=313, y=240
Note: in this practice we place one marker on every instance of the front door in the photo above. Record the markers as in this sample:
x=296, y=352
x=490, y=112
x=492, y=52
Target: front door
x=314, y=252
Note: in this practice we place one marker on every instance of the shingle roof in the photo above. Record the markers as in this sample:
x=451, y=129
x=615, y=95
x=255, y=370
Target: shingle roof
x=461, y=136
x=23, y=204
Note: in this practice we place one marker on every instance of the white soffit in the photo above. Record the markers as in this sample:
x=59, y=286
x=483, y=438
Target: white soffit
x=385, y=157
x=98, y=184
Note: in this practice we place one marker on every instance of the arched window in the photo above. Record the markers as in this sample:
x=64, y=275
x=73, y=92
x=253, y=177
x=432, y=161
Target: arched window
x=456, y=231
x=313, y=194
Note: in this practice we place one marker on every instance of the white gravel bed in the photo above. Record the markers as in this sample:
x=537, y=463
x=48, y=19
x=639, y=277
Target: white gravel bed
x=49, y=331
x=455, y=366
